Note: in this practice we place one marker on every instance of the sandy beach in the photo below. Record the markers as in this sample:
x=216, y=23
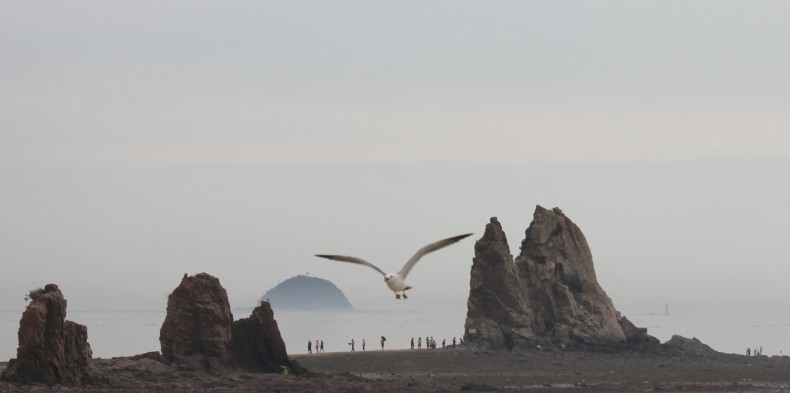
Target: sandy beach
x=469, y=370
x=448, y=370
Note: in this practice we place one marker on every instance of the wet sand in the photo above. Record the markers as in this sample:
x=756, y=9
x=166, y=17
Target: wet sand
x=468, y=370
x=448, y=370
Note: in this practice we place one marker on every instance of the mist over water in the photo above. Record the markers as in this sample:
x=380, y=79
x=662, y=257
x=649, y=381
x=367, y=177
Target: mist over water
x=129, y=333
x=109, y=333
x=725, y=330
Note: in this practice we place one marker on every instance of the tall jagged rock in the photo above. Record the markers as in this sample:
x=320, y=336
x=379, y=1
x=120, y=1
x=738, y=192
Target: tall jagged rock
x=51, y=349
x=257, y=344
x=548, y=294
x=496, y=306
x=557, y=264
x=197, y=328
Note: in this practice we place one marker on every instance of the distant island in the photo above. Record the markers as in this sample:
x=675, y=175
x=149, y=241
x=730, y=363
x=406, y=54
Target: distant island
x=307, y=293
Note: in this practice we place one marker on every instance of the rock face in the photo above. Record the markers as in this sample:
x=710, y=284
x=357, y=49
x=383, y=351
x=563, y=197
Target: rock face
x=548, y=295
x=51, y=349
x=199, y=331
x=197, y=328
x=257, y=344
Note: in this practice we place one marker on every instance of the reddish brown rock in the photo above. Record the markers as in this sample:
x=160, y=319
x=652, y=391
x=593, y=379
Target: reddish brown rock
x=51, y=349
x=199, y=331
x=548, y=295
x=257, y=344
x=197, y=328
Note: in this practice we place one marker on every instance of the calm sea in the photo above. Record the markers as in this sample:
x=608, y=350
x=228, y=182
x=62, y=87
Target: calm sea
x=128, y=333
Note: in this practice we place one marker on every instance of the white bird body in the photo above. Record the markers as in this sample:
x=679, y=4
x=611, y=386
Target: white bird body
x=397, y=281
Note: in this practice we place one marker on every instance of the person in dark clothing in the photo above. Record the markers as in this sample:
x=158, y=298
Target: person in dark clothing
x=508, y=342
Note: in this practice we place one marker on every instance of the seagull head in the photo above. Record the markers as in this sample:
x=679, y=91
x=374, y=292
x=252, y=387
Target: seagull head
x=389, y=277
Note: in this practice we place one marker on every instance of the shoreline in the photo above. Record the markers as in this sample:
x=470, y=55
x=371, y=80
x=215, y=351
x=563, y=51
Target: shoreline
x=460, y=369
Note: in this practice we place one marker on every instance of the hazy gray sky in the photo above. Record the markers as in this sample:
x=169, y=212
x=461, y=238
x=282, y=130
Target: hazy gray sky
x=141, y=140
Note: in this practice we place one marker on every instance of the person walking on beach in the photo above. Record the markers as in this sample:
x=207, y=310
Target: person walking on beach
x=382, y=342
x=419, y=342
x=508, y=342
x=412, y=343
x=363, y=344
x=316, y=346
x=453, y=342
x=352, y=345
x=309, y=346
x=322, y=345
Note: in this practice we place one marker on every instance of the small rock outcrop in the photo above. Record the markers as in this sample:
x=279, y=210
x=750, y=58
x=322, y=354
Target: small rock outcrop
x=257, y=344
x=548, y=295
x=683, y=345
x=51, y=349
x=197, y=328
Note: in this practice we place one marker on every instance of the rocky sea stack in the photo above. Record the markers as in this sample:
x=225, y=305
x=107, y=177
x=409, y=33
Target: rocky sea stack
x=199, y=331
x=197, y=328
x=51, y=349
x=548, y=295
x=257, y=344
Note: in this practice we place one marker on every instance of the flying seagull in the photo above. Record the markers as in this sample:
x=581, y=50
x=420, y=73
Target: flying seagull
x=397, y=282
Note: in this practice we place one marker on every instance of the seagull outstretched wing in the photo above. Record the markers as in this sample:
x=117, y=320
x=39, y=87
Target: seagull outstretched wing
x=356, y=260
x=427, y=249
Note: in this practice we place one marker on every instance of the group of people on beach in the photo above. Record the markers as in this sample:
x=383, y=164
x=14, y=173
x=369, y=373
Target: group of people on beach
x=430, y=343
x=319, y=346
x=383, y=339
x=756, y=352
